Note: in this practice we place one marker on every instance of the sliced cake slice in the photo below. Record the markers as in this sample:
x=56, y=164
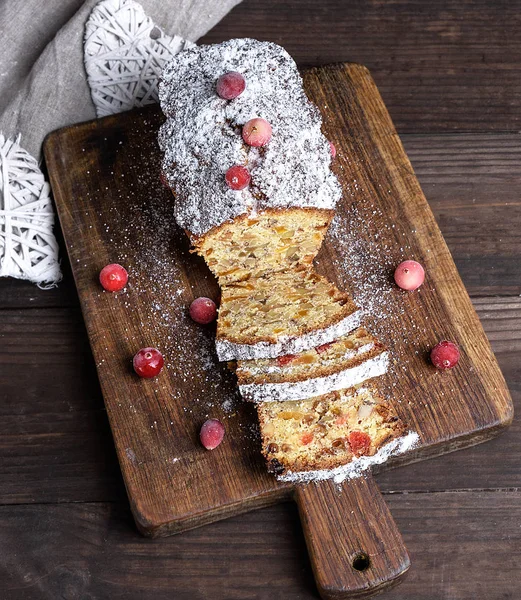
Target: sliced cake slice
x=281, y=313
x=271, y=241
x=341, y=364
x=307, y=439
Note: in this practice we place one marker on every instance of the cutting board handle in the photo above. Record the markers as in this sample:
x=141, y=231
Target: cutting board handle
x=354, y=545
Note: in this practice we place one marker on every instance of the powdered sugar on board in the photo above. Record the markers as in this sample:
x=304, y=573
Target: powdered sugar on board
x=142, y=236
x=365, y=248
x=202, y=138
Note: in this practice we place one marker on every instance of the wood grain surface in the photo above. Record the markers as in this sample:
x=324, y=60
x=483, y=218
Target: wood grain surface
x=440, y=66
x=354, y=545
x=462, y=543
x=105, y=181
x=57, y=453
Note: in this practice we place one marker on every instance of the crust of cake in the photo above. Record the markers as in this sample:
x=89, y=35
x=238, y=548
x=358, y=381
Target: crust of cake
x=346, y=310
x=356, y=373
x=240, y=297
x=229, y=350
x=356, y=467
x=372, y=348
x=198, y=240
x=389, y=427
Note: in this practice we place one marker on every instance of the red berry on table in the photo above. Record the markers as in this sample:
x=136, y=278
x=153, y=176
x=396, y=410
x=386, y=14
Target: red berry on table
x=230, y=85
x=359, y=442
x=113, y=277
x=409, y=275
x=148, y=362
x=256, y=132
x=237, y=177
x=212, y=433
x=333, y=149
x=203, y=310
x=445, y=355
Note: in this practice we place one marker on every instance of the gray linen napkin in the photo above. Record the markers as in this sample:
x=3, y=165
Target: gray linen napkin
x=43, y=85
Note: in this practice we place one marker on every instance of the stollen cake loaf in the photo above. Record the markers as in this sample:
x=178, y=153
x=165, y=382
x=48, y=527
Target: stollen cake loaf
x=257, y=210
x=259, y=241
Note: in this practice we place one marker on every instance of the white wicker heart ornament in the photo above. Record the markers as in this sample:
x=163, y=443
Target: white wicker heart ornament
x=28, y=248
x=124, y=54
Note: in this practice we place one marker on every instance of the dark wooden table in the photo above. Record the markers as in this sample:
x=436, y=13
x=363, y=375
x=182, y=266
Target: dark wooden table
x=450, y=73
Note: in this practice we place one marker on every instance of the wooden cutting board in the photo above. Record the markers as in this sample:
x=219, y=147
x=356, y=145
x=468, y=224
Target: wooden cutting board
x=112, y=208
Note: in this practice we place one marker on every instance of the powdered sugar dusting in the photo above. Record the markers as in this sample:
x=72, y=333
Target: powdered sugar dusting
x=201, y=138
x=366, y=245
x=138, y=227
x=357, y=466
x=288, y=345
x=364, y=261
x=254, y=369
x=300, y=390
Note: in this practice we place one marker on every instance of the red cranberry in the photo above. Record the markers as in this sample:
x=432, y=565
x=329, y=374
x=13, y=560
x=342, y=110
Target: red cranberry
x=409, y=275
x=332, y=149
x=113, y=277
x=256, y=132
x=307, y=438
x=237, y=177
x=445, y=355
x=359, y=442
x=203, y=310
x=212, y=433
x=323, y=347
x=284, y=360
x=230, y=85
x=148, y=362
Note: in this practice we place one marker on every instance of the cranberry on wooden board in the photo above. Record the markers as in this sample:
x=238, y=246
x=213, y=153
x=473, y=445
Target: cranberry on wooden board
x=148, y=362
x=211, y=434
x=230, y=85
x=445, y=355
x=113, y=277
x=203, y=310
x=237, y=177
x=409, y=275
x=256, y=132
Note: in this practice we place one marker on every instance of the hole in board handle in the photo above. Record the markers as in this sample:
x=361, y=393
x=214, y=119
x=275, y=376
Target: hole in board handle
x=361, y=562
